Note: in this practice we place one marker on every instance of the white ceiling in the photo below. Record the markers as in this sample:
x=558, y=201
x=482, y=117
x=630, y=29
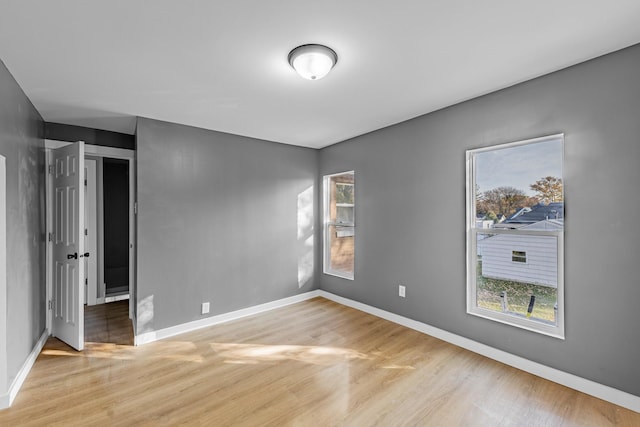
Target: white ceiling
x=222, y=65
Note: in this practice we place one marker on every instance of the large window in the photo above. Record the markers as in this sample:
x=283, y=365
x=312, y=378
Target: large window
x=339, y=224
x=515, y=229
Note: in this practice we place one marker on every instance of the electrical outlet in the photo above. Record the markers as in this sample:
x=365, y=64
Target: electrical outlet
x=205, y=307
x=402, y=291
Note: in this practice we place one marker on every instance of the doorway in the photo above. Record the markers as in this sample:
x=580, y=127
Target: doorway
x=116, y=227
x=107, y=199
x=108, y=234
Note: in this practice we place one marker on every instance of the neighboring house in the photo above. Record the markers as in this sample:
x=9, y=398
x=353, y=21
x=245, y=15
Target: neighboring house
x=484, y=223
x=522, y=258
x=537, y=213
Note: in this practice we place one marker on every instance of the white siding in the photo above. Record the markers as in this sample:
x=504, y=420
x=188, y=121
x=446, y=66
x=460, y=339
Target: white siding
x=542, y=258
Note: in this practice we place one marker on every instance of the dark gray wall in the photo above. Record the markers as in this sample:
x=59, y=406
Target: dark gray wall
x=410, y=214
x=219, y=221
x=71, y=133
x=22, y=143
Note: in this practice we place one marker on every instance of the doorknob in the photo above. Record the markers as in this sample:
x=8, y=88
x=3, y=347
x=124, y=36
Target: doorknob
x=86, y=255
x=73, y=256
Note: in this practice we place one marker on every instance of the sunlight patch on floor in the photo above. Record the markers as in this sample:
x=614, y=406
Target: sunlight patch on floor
x=406, y=367
x=184, y=351
x=94, y=350
x=256, y=353
x=231, y=353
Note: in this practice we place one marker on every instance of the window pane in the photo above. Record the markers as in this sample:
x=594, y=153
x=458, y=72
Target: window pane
x=341, y=248
x=521, y=184
x=339, y=193
x=505, y=286
x=344, y=214
x=341, y=198
x=344, y=192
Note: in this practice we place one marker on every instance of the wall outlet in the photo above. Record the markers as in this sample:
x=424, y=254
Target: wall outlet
x=205, y=307
x=402, y=291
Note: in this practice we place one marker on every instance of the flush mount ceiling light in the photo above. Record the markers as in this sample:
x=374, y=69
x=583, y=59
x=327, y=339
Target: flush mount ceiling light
x=312, y=61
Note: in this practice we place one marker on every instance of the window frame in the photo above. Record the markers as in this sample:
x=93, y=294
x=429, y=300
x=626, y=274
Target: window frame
x=327, y=224
x=557, y=330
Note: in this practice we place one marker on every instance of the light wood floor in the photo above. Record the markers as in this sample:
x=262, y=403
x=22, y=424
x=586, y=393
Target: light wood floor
x=315, y=363
x=108, y=323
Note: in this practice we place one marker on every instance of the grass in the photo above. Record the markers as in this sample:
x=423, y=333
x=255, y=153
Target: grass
x=518, y=296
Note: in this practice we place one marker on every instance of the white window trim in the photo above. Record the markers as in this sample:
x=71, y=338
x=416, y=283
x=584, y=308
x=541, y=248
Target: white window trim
x=326, y=224
x=556, y=331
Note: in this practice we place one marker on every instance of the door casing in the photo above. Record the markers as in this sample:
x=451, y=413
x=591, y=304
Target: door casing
x=3, y=280
x=91, y=222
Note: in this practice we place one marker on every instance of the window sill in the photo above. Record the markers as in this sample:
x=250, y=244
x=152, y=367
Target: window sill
x=338, y=274
x=555, y=331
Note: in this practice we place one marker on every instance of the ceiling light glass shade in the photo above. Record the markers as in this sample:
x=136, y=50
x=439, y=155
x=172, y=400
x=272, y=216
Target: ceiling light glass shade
x=312, y=61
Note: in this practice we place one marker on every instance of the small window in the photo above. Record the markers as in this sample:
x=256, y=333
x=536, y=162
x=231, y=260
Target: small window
x=339, y=224
x=519, y=256
x=515, y=234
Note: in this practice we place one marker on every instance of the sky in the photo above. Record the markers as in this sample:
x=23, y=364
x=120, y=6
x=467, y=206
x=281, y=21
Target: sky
x=519, y=166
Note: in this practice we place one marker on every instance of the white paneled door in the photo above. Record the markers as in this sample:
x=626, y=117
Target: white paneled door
x=68, y=244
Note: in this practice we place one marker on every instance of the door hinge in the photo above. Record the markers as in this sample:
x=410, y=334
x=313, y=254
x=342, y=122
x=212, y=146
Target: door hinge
x=50, y=305
x=135, y=208
x=51, y=169
x=86, y=281
x=51, y=237
x=86, y=232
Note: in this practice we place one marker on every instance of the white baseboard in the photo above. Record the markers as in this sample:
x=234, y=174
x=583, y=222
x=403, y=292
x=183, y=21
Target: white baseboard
x=115, y=298
x=575, y=382
x=7, y=398
x=152, y=336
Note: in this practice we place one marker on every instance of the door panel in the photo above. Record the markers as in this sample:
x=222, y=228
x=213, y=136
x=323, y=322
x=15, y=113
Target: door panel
x=68, y=245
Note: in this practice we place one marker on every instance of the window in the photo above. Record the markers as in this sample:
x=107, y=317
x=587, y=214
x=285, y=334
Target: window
x=339, y=224
x=519, y=256
x=515, y=232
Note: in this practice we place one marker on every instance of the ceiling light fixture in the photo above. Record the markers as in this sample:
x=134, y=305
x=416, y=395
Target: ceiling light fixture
x=312, y=61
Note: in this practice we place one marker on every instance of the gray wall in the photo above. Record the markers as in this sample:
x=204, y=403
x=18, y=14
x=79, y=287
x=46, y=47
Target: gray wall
x=21, y=142
x=221, y=218
x=410, y=214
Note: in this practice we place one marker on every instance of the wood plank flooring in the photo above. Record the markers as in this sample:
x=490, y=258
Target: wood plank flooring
x=108, y=323
x=315, y=363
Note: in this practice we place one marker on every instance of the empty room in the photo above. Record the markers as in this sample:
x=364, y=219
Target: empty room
x=415, y=213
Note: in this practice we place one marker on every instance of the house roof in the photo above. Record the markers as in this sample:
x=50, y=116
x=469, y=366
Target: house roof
x=547, y=224
x=539, y=212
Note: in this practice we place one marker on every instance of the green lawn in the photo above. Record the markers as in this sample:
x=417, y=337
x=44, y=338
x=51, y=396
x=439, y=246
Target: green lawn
x=518, y=296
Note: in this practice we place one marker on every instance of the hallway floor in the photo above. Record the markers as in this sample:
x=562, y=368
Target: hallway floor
x=108, y=323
